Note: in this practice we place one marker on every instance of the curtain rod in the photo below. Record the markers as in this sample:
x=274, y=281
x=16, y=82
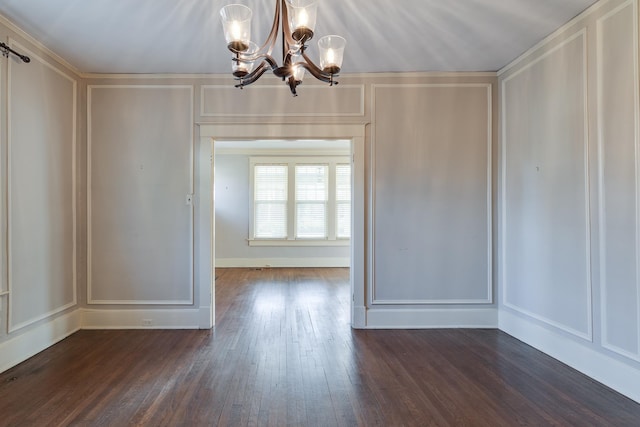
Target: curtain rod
x=6, y=49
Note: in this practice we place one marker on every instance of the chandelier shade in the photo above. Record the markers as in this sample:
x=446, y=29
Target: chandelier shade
x=245, y=66
x=236, y=23
x=331, y=53
x=302, y=19
x=295, y=20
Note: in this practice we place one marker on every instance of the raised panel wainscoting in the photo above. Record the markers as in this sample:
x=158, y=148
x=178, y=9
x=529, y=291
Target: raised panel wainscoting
x=569, y=235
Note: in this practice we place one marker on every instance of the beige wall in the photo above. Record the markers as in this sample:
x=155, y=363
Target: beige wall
x=40, y=132
x=411, y=119
x=569, y=221
x=546, y=188
x=431, y=176
x=41, y=190
x=140, y=173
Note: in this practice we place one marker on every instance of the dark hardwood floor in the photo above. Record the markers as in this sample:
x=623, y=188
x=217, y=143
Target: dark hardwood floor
x=283, y=353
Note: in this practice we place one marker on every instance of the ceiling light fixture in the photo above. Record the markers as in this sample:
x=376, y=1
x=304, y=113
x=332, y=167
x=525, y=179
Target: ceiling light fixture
x=296, y=20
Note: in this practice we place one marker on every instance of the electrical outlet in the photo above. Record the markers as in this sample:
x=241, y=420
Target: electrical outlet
x=147, y=322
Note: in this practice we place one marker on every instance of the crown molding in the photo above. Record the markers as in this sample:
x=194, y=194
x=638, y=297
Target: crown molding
x=38, y=45
x=226, y=76
x=535, y=48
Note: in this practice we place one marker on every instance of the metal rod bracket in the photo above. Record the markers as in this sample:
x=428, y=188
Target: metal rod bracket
x=6, y=50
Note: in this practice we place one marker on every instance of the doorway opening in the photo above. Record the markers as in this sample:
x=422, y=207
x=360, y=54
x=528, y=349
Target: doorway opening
x=282, y=203
x=232, y=135
x=283, y=223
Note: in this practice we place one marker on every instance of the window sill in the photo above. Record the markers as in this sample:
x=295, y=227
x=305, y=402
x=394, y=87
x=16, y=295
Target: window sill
x=285, y=242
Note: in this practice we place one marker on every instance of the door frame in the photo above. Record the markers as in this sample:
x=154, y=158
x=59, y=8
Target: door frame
x=209, y=133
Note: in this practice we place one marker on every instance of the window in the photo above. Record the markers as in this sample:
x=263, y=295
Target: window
x=311, y=201
x=343, y=201
x=300, y=201
x=270, y=201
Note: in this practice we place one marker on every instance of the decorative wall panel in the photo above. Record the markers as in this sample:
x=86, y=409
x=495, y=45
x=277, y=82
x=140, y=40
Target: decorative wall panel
x=545, y=188
x=41, y=185
x=618, y=179
x=140, y=165
x=432, y=194
x=277, y=101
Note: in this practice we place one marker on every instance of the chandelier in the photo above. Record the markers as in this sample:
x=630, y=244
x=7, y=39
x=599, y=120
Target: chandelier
x=296, y=20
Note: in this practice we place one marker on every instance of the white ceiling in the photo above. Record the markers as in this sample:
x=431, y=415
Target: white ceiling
x=185, y=36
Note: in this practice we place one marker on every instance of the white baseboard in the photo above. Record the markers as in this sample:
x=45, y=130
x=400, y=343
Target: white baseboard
x=430, y=318
x=33, y=341
x=581, y=356
x=282, y=262
x=359, y=320
x=205, y=321
x=141, y=319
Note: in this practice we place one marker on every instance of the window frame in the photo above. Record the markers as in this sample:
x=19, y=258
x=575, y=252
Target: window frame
x=331, y=215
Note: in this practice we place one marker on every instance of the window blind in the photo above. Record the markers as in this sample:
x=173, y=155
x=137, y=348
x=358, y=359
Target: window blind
x=343, y=201
x=311, y=183
x=270, y=201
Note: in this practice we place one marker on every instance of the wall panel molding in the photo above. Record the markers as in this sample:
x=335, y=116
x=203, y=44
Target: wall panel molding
x=4, y=285
x=344, y=100
x=37, y=59
x=535, y=49
x=611, y=134
x=486, y=282
x=547, y=52
x=505, y=143
x=152, y=165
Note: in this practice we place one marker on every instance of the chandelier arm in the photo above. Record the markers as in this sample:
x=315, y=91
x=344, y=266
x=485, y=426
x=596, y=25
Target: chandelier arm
x=246, y=82
x=286, y=59
x=251, y=78
x=273, y=34
x=265, y=58
x=286, y=30
x=316, y=71
x=254, y=75
x=293, y=83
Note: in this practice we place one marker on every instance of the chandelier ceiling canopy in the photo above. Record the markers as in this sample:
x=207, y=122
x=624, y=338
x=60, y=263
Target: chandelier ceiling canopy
x=296, y=21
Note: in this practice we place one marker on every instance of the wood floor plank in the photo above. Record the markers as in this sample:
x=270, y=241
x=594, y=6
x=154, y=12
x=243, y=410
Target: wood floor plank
x=283, y=353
